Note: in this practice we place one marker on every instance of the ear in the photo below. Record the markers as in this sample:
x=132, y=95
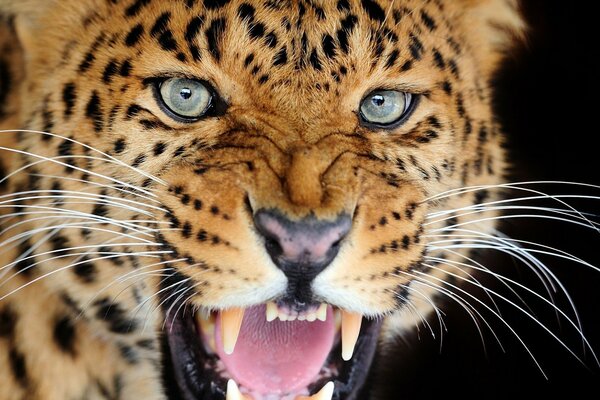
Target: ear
x=496, y=26
x=26, y=16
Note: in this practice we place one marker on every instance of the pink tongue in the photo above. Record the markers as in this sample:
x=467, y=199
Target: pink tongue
x=277, y=357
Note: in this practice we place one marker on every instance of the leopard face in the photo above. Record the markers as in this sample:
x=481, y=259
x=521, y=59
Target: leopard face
x=185, y=167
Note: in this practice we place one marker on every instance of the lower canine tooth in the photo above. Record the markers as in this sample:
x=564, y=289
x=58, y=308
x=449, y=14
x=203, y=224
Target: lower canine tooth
x=326, y=393
x=322, y=312
x=231, y=322
x=350, y=330
x=272, y=311
x=233, y=392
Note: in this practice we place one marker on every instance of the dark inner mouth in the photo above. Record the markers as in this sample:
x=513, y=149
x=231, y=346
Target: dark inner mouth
x=194, y=372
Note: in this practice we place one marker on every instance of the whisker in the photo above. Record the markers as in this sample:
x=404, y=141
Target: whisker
x=115, y=160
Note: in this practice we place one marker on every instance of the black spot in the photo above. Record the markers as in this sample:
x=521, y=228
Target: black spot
x=447, y=87
x=110, y=70
x=416, y=47
x=248, y=60
x=125, y=68
x=281, y=57
x=396, y=215
x=64, y=335
x=314, y=60
x=428, y=21
x=154, y=124
x=328, y=46
x=5, y=84
x=406, y=66
x=391, y=59
x=86, y=271
x=135, y=8
x=119, y=146
x=256, y=31
x=8, y=320
x=374, y=10
x=69, y=96
x=214, y=210
x=438, y=59
x=271, y=40
x=344, y=32
x=159, y=148
x=193, y=28
x=343, y=5
x=87, y=62
x=186, y=230
x=246, y=12
x=383, y=221
x=134, y=35
x=202, y=235
x=139, y=160
x=213, y=36
x=405, y=242
x=215, y=4
x=93, y=111
x=18, y=367
x=197, y=205
x=129, y=354
x=132, y=111
x=114, y=315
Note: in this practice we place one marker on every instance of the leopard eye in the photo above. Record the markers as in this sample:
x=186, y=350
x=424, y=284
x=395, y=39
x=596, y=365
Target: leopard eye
x=385, y=108
x=185, y=98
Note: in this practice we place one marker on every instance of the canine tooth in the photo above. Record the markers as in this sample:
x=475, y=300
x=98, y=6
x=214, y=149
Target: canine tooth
x=233, y=392
x=322, y=312
x=350, y=330
x=272, y=311
x=231, y=322
x=326, y=393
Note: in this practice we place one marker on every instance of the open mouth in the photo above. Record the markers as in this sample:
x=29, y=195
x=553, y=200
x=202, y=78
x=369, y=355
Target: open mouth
x=267, y=352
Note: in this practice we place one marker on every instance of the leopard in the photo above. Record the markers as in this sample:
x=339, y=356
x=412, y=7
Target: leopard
x=238, y=199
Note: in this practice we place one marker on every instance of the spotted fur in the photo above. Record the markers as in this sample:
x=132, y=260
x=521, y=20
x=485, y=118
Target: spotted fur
x=141, y=189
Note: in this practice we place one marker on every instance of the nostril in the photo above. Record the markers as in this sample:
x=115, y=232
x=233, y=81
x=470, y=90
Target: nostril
x=273, y=247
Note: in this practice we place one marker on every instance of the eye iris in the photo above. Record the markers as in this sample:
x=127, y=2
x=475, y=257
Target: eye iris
x=385, y=107
x=186, y=98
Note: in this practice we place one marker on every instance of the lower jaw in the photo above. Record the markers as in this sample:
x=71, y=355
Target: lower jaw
x=194, y=373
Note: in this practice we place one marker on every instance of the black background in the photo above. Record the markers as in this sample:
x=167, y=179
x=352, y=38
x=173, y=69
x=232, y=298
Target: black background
x=547, y=100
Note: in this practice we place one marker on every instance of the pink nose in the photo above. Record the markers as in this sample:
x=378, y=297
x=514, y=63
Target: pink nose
x=301, y=249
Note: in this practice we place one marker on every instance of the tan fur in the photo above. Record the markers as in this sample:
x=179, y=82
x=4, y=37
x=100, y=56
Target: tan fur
x=290, y=140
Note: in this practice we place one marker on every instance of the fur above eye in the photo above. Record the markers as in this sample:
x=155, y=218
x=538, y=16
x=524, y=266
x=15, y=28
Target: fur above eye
x=186, y=99
x=385, y=108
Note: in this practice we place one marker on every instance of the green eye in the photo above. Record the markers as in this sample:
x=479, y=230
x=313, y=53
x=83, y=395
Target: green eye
x=385, y=108
x=185, y=98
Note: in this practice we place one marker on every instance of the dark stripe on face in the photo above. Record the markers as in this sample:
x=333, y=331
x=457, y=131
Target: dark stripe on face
x=136, y=7
x=69, y=97
x=213, y=36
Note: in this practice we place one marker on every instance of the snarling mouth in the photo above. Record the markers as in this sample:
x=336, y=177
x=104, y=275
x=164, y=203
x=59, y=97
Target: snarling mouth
x=266, y=352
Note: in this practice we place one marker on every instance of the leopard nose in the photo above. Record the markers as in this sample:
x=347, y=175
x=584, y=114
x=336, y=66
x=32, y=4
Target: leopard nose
x=304, y=248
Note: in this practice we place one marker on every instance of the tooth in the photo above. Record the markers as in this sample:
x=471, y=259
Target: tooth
x=272, y=311
x=311, y=317
x=322, y=312
x=302, y=317
x=282, y=317
x=350, y=331
x=231, y=322
x=233, y=391
x=326, y=393
x=291, y=317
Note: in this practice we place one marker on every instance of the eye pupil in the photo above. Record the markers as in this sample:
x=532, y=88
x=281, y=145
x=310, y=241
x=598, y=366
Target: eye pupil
x=378, y=100
x=185, y=93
